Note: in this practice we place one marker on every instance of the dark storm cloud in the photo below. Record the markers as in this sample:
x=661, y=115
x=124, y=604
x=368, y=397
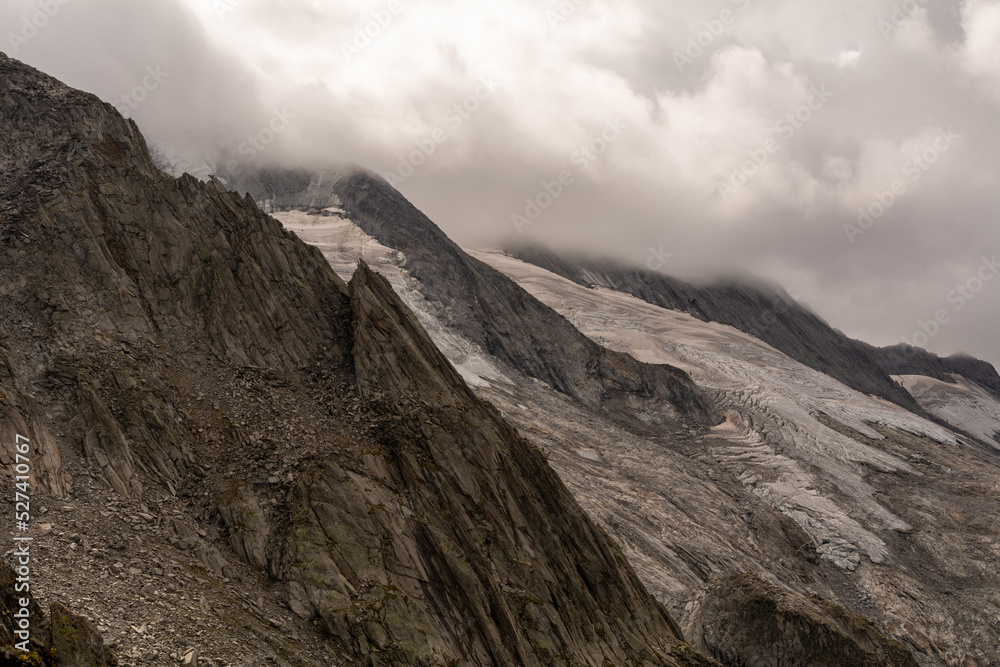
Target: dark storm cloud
x=483, y=110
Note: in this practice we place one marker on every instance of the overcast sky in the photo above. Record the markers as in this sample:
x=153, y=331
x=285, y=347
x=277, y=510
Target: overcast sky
x=735, y=135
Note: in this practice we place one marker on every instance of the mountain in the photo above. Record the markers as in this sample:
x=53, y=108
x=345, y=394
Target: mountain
x=761, y=310
x=484, y=306
x=802, y=499
x=303, y=427
x=958, y=401
x=769, y=314
x=908, y=360
x=873, y=491
x=225, y=431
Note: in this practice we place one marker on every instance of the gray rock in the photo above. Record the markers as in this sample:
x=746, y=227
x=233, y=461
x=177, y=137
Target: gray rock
x=762, y=310
x=248, y=528
x=434, y=533
x=485, y=306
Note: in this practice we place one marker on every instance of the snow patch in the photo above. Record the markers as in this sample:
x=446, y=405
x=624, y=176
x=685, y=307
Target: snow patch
x=964, y=405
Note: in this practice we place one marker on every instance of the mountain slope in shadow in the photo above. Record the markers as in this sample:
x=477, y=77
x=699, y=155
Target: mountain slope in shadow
x=177, y=345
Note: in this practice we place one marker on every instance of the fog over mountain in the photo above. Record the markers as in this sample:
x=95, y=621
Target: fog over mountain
x=888, y=107
x=448, y=334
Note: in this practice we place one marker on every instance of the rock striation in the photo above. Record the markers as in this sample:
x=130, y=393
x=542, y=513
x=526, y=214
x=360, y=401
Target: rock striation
x=187, y=352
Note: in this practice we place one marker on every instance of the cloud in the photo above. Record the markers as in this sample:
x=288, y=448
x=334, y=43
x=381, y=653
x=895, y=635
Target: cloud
x=980, y=52
x=371, y=81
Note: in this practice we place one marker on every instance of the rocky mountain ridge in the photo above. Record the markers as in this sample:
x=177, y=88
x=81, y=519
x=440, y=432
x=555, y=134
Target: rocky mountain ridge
x=168, y=340
x=228, y=429
x=766, y=312
x=808, y=483
x=486, y=307
x=906, y=360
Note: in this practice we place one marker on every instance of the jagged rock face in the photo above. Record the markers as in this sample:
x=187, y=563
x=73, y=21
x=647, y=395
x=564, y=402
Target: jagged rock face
x=19, y=414
x=758, y=310
x=429, y=532
x=451, y=545
x=506, y=321
x=93, y=229
x=485, y=306
x=249, y=530
x=102, y=252
x=670, y=499
x=743, y=620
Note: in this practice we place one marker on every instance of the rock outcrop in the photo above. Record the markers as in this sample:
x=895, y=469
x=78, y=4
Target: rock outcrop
x=744, y=620
x=445, y=550
x=75, y=641
x=19, y=415
x=183, y=344
x=908, y=360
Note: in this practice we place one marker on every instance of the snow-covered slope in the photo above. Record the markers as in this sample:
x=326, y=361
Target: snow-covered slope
x=778, y=447
x=803, y=466
x=964, y=405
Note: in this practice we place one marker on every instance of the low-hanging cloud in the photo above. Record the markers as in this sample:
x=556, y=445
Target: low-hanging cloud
x=811, y=113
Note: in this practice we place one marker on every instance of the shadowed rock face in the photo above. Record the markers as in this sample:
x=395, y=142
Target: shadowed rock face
x=19, y=413
x=63, y=638
x=414, y=525
x=101, y=251
x=494, y=312
x=461, y=550
x=744, y=620
x=669, y=545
